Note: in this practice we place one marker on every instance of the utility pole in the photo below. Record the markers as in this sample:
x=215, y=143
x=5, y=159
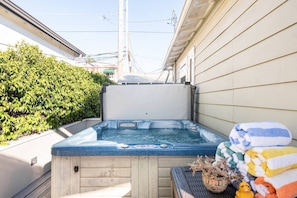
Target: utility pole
x=129, y=56
x=127, y=40
x=120, y=41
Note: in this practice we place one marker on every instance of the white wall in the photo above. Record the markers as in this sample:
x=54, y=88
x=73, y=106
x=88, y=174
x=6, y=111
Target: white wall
x=16, y=170
x=15, y=167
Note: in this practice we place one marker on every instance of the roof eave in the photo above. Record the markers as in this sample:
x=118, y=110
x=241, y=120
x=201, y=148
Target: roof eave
x=192, y=16
x=37, y=24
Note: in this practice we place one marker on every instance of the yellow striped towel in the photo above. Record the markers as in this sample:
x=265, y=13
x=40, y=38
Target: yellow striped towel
x=270, y=161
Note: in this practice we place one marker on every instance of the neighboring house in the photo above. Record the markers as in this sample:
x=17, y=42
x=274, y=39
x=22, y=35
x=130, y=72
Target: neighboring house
x=101, y=63
x=242, y=56
x=107, y=70
x=16, y=167
x=17, y=25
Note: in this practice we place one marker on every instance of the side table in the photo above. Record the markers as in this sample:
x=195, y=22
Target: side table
x=185, y=185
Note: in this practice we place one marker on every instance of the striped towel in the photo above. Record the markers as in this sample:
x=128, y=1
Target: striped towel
x=283, y=185
x=224, y=150
x=235, y=159
x=249, y=135
x=270, y=161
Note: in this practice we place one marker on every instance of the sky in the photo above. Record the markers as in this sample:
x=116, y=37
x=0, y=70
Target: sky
x=92, y=26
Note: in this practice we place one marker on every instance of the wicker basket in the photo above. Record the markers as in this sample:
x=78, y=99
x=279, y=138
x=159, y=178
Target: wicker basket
x=215, y=184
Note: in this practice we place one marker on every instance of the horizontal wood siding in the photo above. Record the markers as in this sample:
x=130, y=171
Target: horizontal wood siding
x=104, y=176
x=245, y=64
x=114, y=176
x=164, y=165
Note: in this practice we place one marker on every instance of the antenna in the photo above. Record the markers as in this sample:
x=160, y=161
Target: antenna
x=173, y=19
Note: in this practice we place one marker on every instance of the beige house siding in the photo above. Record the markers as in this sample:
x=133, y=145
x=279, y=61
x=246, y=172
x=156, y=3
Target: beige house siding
x=245, y=64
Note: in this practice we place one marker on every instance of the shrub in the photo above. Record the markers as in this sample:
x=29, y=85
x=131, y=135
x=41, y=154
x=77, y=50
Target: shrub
x=38, y=93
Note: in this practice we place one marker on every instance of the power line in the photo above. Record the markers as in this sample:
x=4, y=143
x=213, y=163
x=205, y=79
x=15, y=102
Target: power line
x=111, y=31
x=152, y=21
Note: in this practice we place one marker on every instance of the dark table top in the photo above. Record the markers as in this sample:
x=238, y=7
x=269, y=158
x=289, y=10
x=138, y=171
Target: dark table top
x=189, y=186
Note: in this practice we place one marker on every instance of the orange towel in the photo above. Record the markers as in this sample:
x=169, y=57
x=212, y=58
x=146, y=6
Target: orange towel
x=257, y=195
x=283, y=185
x=265, y=189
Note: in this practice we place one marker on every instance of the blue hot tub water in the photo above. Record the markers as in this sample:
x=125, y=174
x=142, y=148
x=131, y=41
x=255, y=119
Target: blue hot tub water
x=138, y=137
x=152, y=136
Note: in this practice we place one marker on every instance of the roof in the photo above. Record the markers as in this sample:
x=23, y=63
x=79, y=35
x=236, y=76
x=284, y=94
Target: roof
x=13, y=8
x=192, y=16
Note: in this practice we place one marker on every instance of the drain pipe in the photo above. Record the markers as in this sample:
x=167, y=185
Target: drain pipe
x=101, y=110
x=167, y=77
x=193, y=88
x=168, y=74
x=196, y=104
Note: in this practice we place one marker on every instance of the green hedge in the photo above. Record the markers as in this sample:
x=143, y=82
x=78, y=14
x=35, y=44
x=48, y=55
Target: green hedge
x=38, y=93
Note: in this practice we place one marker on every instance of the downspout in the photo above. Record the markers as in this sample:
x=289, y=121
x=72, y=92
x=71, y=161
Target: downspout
x=167, y=76
x=196, y=104
x=101, y=110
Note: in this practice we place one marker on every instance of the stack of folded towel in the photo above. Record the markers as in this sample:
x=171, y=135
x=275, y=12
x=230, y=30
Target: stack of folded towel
x=261, y=149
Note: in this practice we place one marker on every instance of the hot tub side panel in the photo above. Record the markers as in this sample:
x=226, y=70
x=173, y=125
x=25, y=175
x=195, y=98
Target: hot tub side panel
x=118, y=176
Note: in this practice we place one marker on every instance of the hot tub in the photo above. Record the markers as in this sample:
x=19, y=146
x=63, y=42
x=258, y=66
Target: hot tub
x=127, y=158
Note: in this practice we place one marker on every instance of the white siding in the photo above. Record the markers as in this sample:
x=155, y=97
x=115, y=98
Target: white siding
x=13, y=30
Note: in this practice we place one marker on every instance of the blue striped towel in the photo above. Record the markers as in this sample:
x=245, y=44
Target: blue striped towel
x=246, y=136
